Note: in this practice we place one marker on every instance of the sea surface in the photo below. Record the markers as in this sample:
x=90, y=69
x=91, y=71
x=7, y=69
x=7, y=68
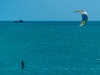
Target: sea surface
x=50, y=48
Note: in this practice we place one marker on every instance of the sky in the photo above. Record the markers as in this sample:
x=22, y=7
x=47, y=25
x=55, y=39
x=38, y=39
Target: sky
x=48, y=10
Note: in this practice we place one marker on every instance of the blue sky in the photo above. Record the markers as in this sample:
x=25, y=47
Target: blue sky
x=48, y=10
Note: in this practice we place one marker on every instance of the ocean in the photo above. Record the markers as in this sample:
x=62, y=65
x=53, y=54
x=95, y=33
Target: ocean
x=50, y=48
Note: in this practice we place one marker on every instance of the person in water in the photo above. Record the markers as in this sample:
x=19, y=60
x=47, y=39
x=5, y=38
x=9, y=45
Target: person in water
x=23, y=64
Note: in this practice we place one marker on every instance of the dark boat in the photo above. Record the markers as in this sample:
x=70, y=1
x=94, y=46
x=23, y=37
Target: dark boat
x=20, y=21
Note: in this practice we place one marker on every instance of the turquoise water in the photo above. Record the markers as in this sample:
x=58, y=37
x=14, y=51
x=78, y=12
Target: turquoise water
x=50, y=48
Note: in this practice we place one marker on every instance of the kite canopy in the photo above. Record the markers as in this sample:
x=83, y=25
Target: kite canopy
x=84, y=16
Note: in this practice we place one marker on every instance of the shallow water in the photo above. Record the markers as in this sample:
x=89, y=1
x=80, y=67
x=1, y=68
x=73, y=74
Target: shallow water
x=50, y=48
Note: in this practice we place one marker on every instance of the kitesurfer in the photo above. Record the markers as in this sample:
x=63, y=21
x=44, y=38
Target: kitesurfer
x=23, y=64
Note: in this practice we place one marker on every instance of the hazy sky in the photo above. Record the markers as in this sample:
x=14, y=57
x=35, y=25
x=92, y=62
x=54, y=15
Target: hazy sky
x=48, y=10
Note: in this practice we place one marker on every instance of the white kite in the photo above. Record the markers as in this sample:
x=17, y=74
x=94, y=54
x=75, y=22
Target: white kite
x=84, y=16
